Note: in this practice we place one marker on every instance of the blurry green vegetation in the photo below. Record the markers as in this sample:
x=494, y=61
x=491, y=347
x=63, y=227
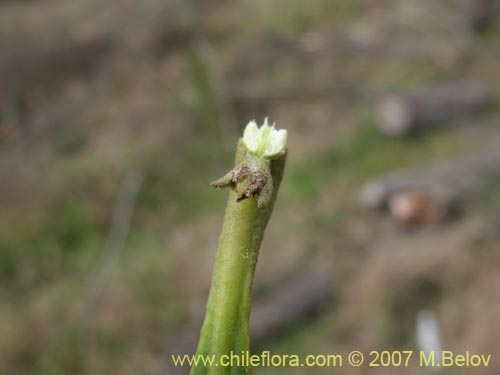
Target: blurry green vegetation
x=208, y=105
x=50, y=248
x=408, y=75
x=64, y=354
x=154, y=285
x=489, y=197
x=166, y=189
x=298, y=16
x=70, y=139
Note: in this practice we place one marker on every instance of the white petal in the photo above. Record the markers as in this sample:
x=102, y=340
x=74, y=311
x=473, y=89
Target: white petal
x=251, y=136
x=265, y=141
x=277, y=142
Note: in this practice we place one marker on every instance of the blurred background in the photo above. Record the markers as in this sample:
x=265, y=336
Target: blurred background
x=115, y=115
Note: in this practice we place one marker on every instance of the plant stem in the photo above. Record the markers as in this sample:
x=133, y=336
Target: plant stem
x=225, y=328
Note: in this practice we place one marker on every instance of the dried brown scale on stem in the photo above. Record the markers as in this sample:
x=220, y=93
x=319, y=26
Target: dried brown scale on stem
x=256, y=182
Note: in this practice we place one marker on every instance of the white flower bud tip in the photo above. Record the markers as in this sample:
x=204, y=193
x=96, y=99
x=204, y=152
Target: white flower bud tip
x=266, y=141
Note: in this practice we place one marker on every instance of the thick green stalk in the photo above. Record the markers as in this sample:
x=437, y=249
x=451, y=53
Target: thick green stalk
x=225, y=328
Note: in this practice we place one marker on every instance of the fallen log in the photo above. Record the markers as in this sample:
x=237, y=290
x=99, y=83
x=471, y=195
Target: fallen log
x=285, y=304
x=402, y=114
x=415, y=208
x=434, y=190
x=290, y=302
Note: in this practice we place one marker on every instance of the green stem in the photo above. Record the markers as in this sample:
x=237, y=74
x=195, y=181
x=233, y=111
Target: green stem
x=225, y=329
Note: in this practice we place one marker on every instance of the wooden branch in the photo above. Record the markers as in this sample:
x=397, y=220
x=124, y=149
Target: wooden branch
x=431, y=191
x=402, y=114
x=290, y=302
